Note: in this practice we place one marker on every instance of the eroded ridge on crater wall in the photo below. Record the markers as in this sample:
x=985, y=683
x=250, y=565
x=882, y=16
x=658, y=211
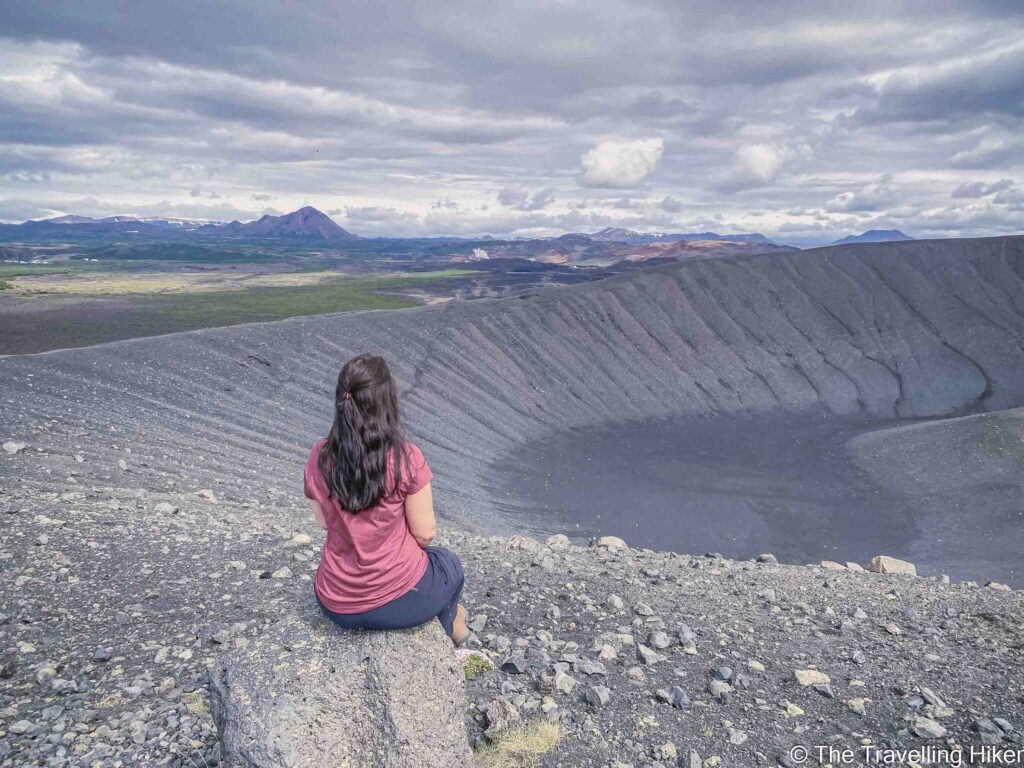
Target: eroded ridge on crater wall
x=924, y=328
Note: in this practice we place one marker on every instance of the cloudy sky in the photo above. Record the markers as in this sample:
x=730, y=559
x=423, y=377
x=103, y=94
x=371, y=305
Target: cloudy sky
x=802, y=120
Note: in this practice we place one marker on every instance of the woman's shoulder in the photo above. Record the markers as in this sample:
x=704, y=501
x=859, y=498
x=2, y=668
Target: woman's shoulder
x=314, y=452
x=411, y=451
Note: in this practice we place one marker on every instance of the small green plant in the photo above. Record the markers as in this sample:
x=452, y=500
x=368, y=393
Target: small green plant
x=5, y=284
x=477, y=664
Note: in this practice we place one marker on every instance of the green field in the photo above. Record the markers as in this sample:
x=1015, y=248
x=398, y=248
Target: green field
x=26, y=270
x=276, y=303
x=55, y=321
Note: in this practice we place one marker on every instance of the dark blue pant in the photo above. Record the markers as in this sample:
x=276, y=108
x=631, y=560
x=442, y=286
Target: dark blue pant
x=436, y=595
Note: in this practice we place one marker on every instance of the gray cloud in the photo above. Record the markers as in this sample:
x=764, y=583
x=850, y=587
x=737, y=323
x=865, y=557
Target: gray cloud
x=975, y=189
x=523, y=200
x=805, y=121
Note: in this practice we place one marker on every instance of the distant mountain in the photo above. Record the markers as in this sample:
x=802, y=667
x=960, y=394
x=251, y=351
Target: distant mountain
x=620, y=235
x=306, y=223
x=615, y=235
x=87, y=220
x=119, y=222
x=874, y=236
x=67, y=220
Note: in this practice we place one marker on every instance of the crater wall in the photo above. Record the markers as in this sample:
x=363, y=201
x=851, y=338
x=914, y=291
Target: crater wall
x=922, y=328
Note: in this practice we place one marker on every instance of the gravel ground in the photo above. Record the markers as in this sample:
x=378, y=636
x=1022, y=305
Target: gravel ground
x=117, y=599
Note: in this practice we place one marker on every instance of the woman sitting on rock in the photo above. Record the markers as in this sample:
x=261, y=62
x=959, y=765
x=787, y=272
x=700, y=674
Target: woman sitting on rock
x=370, y=490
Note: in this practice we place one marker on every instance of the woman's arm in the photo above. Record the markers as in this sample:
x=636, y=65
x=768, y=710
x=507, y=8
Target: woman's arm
x=318, y=513
x=419, y=515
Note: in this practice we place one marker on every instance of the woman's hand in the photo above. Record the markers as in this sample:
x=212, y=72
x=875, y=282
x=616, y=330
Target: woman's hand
x=419, y=515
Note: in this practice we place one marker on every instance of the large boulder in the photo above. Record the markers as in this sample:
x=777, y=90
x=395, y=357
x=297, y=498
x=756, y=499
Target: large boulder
x=886, y=564
x=307, y=694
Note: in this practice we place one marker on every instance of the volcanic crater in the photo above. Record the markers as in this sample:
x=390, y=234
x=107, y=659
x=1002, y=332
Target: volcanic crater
x=811, y=403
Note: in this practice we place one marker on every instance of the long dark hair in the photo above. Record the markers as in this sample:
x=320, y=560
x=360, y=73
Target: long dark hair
x=366, y=433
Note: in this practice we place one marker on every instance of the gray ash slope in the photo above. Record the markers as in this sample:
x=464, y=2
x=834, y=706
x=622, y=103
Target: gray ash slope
x=114, y=607
x=925, y=328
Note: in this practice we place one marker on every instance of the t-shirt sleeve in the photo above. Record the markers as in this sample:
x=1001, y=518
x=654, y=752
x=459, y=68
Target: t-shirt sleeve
x=415, y=472
x=313, y=485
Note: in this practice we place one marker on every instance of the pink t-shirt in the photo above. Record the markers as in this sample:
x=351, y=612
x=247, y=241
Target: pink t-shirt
x=369, y=558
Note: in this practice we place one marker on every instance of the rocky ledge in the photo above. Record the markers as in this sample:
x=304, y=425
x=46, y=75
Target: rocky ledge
x=120, y=604
x=309, y=694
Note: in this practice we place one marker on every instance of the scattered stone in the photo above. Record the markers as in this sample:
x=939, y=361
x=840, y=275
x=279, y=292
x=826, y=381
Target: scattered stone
x=648, y=656
x=103, y=653
x=719, y=690
x=659, y=640
x=666, y=752
x=768, y=558
x=737, y=737
x=929, y=696
x=988, y=731
x=643, y=609
x=755, y=665
x=522, y=543
x=611, y=543
x=597, y=695
x=824, y=689
x=501, y=715
x=614, y=603
x=165, y=508
x=221, y=637
x=722, y=673
x=12, y=447
x=998, y=586
x=1004, y=725
x=832, y=565
x=808, y=677
x=282, y=573
x=514, y=665
x=927, y=728
x=675, y=696
x=557, y=541
x=22, y=726
x=563, y=683
x=300, y=540
x=893, y=629
x=856, y=706
x=587, y=667
x=684, y=633
x=886, y=564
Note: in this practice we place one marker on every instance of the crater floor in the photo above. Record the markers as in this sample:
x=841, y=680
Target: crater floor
x=795, y=487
